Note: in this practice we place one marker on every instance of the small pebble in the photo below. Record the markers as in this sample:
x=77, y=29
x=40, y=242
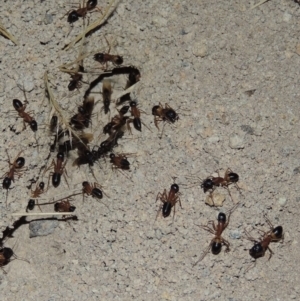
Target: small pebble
x=235, y=234
x=48, y=19
x=42, y=228
x=236, y=141
x=218, y=200
x=200, y=49
x=282, y=201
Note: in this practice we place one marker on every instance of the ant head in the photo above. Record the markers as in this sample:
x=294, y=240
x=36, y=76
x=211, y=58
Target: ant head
x=99, y=57
x=91, y=4
x=107, y=128
x=222, y=217
x=97, y=193
x=166, y=209
x=175, y=188
x=119, y=60
x=233, y=177
x=33, y=125
x=112, y=155
x=171, y=115
x=17, y=104
x=72, y=208
x=31, y=204
x=72, y=85
x=7, y=253
x=73, y=16
x=216, y=247
x=155, y=110
x=6, y=183
x=256, y=251
x=42, y=185
x=20, y=162
x=277, y=232
x=207, y=184
x=133, y=104
x=85, y=184
x=60, y=156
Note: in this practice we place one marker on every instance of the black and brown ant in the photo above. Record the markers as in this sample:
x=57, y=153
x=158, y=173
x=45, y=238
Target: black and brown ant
x=260, y=247
x=211, y=183
x=82, y=119
x=165, y=114
x=6, y=256
x=117, y=122
x=103, y=58
x=169, y=200
x=15, y=168
x=217, y=229
x=59, y=169
x=64, y=206
x=106, y=94
x=81, y=12
x=39, y=189
x=92, y=189
x=75, y=82
x=119, y=161
x=20, y=108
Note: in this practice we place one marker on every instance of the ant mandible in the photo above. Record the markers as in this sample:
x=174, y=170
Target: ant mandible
x=260, y=247
x=168, y=200
x=211, y=183
x=217, y=229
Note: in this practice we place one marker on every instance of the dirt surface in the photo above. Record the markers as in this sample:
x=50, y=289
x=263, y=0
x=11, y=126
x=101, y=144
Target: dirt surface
x=202, y=58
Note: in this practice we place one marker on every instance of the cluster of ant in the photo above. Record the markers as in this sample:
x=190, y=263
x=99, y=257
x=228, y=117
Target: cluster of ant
x=210, y=184
x=76, y=139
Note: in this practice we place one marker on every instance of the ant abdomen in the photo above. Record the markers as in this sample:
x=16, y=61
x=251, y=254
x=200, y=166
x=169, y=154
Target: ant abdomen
x=166, y=209
x=17, y=104
x=56, y=177
x=33, y=125
x=216, y=247
x=97, y=193
x=137, y=124
x=30, y=205
x=256, y=251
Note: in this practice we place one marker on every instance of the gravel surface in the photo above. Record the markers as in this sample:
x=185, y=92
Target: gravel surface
x=232, y=75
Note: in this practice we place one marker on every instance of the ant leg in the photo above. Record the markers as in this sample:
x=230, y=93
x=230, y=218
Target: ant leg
x=271, y=253
x=226, y=243
x=251, y=266
x=161, y=134
x=249, y=237
x=205, y=252
x=107, y=44
x=208, y=229
x=128, y=125
x=268, y=221
x=158, y=211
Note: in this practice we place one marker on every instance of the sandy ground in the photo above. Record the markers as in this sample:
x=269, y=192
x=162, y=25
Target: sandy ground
x=200, y=57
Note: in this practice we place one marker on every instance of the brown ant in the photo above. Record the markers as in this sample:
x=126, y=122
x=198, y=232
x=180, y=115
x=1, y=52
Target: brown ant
x=20, y=108
x=75, y=82
x=6, y=256
x=217, y=229
x=64, y=206
x=59, y=169
x=81, y=12
x=260, y=247
x=166, y=114
x=15, y=168
x=39, y=189
x=117, y=122
x=104, y=58
x=119, y=161
x=168, y=200
x=93, y=190
x=211, y=183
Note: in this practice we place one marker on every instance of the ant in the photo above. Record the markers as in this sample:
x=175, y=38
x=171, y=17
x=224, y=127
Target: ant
x=30, y=205
x=14, y=169
x=217, y=229
x=106, y=93
x=93, y=190
x=169, y=200
x=75, y=82
x=64, y=206
x=6, y=256
x=83, y=118
x=81, y=12
x=166, y=114
x=117, y=122
x=119, y=161
x=136, y=113
x=39, y=189
x=59, y=169
x=104, y=58
x=211, y=183
x=20, y=108
x=260, y=247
